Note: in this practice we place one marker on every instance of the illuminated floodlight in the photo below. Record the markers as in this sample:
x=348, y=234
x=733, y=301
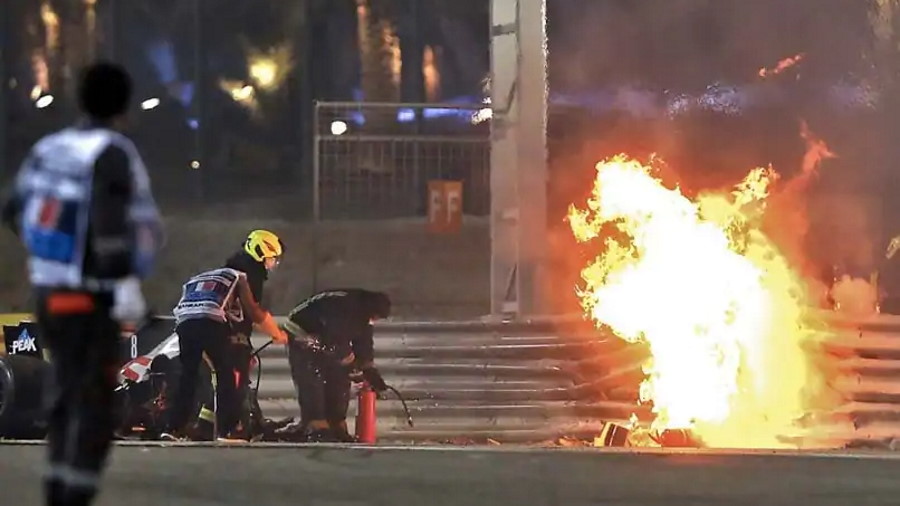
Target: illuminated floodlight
x=264, y=71
x=243, y=93
x=44, y=101
x=338, y=127
x=150, y=103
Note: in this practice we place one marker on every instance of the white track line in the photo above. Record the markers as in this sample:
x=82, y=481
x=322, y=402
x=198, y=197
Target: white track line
x=725, y=453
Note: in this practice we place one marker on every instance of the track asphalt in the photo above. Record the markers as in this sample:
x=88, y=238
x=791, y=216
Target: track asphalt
x=325, y=475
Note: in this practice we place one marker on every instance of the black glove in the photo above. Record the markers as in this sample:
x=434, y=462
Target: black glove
x=356, y=376
x=373, y=377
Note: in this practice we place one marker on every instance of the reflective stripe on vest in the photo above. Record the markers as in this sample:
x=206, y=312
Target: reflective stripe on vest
x=55, y=184
x=208, y=295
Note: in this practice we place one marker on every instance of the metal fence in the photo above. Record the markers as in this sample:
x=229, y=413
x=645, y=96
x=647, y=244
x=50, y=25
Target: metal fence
x=375, y=160
x=372, y=166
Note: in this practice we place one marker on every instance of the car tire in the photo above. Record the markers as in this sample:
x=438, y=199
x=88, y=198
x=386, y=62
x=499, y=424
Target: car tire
x=22, y=413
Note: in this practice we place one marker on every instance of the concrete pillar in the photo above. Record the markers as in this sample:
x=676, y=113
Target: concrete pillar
x=199, y=111
x=4, y=88
x=518, y=155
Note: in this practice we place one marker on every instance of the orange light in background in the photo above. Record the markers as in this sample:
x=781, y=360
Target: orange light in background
x=268, y=69
x=391, y=42
x=91, y=17
x=51, y=26
x=432, y=74
x=41, y=72
x=240, y=92
x=263, y=71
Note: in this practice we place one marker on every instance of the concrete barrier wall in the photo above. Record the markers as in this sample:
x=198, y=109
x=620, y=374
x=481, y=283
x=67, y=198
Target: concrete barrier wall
x=426, y=275
x=532, y=383
x=505, y=385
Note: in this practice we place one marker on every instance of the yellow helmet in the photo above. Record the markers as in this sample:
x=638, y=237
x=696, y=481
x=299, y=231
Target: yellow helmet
x=262, y=244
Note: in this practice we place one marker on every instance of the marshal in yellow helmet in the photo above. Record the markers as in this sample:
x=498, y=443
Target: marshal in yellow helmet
x=262, y=245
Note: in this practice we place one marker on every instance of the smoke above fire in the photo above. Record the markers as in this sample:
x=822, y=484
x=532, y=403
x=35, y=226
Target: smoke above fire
x=719, y=289
x=787, y=221
x=854, y=296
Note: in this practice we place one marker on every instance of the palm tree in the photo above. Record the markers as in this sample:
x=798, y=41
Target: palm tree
x=379, y=51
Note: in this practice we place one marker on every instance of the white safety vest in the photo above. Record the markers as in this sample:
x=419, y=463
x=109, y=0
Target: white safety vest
x=55, y=185
x=210, y=295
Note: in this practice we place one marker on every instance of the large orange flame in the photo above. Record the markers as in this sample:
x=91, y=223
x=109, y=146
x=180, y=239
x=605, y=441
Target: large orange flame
x=720, y=307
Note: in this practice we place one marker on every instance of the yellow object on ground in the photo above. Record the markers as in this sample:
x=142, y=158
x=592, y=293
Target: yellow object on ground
x=14, y=318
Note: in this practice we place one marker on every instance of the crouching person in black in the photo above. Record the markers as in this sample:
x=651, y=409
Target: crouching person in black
x=330, y=339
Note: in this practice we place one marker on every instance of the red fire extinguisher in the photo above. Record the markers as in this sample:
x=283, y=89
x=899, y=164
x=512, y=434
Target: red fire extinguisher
x=365, y=415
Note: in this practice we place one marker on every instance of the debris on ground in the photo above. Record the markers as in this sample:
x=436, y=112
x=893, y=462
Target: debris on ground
x=570, y=442
x=460, y=441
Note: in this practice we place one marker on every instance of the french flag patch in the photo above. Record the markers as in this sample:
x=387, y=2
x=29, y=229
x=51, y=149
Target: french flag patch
x=205, y=286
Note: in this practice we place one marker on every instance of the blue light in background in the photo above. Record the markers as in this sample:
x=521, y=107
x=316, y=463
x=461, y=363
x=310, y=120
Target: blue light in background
x=446, y=113
x=184, y=93
x=408, y=115
x=162, y=56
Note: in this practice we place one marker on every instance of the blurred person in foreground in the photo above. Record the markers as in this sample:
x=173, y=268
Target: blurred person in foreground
x=83, y=207
x=330, y=344
x=215, y=316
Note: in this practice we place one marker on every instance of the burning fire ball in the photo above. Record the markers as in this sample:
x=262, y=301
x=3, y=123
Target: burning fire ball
x=614, y=435
x=702, y=281
x=676, y=438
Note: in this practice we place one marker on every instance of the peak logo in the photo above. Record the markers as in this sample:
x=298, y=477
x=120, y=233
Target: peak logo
x=24, y=344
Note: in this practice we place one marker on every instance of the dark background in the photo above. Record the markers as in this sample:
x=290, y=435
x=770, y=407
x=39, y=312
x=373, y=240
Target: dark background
x=677, y=77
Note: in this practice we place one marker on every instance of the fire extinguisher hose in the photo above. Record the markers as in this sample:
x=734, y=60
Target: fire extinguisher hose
x=259, y=366
x=409, y=419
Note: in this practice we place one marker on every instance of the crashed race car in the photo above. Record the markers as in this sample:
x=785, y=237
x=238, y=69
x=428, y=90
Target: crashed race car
x=23, y=372
x=147, y=384
x=147, y=381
